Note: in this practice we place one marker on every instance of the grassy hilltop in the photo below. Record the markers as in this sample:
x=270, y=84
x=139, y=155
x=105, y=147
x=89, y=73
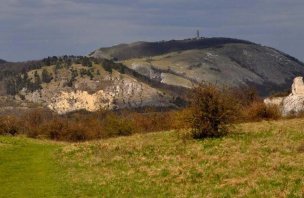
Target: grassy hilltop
x=262, y=159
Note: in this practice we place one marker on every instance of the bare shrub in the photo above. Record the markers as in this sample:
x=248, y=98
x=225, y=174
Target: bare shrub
x=212, y=111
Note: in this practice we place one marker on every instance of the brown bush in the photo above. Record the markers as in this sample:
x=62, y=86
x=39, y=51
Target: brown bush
x=76, y=132
x=9, y=125
x=212, y=111
x=71, y=129
x=114, y=125
x=152, y=121
x=32, y=121
x=54, y=129
x=252, y=107
x=258, y=110
x=87, y=126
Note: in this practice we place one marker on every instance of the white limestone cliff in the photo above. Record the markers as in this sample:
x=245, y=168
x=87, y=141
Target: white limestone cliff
x=65, y=102
x=294, y=102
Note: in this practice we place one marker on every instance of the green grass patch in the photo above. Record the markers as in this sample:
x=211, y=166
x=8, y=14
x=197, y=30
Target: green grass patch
x=28, y=169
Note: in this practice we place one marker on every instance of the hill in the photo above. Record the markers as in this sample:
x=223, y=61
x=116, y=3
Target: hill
x=262, y=159
x=142, y=74
x=230, y=62
x=69, y=83
x=146, y=49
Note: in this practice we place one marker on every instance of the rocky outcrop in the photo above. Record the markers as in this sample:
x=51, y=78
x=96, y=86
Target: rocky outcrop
x=102, y=92
x=293, y=103
x=65, y=102
x=298, y=86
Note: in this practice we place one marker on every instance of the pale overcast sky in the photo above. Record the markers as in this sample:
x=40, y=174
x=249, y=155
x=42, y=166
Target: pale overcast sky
x=33, y=29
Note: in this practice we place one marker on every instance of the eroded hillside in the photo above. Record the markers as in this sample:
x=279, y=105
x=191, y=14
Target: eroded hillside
x=83, y=84
x=228, y=62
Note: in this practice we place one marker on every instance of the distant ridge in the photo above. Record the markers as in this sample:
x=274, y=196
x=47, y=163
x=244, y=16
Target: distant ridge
x=144, y=49
x=2, y=61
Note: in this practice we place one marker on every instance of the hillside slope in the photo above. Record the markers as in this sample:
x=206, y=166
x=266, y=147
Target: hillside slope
x=66, y=84
x=224, y=61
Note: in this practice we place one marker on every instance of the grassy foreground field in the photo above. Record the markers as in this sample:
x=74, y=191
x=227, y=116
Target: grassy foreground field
x=264, y=159
x=28, y=169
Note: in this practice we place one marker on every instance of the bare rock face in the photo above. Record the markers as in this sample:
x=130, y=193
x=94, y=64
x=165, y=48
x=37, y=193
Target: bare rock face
x=65, y=102
x=104, y=92
x=293, y=103
x=298, y=86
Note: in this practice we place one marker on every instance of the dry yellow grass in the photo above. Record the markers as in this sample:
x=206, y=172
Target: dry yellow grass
x=258, y=160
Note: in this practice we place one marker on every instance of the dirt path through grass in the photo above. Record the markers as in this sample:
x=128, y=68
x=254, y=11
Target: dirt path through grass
x=28, y=169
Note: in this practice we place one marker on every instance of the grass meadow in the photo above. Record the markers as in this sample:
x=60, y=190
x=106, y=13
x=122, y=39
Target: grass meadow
x=262, y=159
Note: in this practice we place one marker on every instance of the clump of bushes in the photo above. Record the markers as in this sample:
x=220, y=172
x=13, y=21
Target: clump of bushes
x=149, y=121
x=258, y=110
x=9, y=125
x=81, y=126
x=252, y=108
